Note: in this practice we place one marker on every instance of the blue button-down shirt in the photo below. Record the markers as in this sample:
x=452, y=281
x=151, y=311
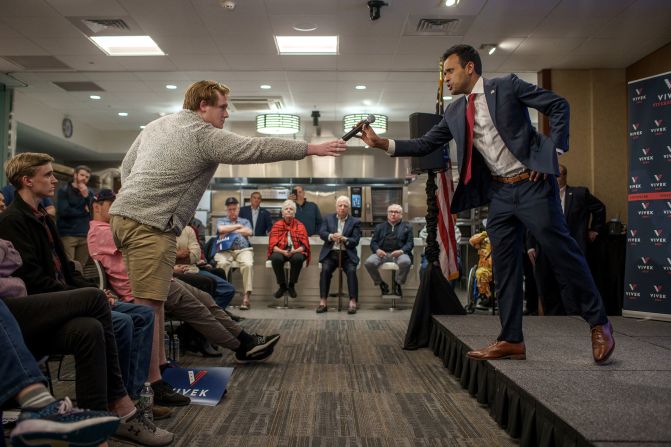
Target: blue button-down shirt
x=240, y=241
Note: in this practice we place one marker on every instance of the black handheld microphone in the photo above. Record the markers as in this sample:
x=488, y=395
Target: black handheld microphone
x=369, y=120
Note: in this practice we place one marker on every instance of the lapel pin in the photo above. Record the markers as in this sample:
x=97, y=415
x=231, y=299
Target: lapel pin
x=492, y=92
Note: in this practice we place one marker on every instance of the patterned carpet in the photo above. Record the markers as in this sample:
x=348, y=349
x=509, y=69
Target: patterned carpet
x=336, y=383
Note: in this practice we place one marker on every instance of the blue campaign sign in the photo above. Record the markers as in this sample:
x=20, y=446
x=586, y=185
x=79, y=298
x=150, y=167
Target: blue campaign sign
x=204, y=386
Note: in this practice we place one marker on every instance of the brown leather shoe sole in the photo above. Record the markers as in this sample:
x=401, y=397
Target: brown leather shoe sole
x=503, y=357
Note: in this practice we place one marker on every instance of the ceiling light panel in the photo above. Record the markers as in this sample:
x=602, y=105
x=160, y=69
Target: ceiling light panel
x=127, y=45
x=307, y=45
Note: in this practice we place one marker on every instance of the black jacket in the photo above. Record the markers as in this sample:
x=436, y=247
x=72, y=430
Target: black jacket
x=403, y=232
x=19, y=225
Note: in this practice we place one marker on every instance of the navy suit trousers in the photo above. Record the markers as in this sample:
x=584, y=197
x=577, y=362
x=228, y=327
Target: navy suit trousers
x=536, y=206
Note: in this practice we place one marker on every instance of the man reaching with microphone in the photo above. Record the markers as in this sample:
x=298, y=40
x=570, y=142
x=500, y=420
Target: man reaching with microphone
x=164, y=175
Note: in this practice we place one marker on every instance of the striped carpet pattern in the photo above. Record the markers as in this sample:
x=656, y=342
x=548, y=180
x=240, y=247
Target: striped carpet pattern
x=337, y=383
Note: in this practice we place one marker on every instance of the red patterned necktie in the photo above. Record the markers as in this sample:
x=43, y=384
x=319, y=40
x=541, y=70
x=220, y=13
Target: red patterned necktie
x=468, y=154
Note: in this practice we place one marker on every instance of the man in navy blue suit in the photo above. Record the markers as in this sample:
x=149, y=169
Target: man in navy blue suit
x=260, y=218
x=340, y=233
x=505, y=162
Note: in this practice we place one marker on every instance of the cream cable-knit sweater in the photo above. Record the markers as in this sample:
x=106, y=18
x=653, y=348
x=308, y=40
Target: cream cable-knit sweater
x=168, y=167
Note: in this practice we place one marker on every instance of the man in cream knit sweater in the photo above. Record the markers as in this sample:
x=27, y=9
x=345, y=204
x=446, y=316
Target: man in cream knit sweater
x=164, y=175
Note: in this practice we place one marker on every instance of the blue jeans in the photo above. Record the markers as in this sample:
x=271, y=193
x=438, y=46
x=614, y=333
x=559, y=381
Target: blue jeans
x=134, y=333
x=18, y=367
x=224, y=291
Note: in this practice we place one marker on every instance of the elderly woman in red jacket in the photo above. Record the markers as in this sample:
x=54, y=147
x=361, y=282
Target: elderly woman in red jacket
x=288, y=241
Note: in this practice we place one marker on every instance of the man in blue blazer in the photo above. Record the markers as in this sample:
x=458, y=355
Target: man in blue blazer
x=391, y=242
x=260, y=218
x=341, y=233
x=505, y=162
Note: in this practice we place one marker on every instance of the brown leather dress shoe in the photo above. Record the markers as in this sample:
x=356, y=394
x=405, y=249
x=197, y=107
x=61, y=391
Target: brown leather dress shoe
x=500, y=350
x=603, y=342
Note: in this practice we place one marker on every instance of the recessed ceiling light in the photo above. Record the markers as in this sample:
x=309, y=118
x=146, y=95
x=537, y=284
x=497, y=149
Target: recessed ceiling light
x=488, y=47
x=360, y=87
x=95, y=97
x=305, y=27
x=265, y=86
x=367, y=102
x=122, y=113
x=142, y=127
x=306, y=45
x=171, y=87
x=447, y=98
x=450, y=3
x=127, y=45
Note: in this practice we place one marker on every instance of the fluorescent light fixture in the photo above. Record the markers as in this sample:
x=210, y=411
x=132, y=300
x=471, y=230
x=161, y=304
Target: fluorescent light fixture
x=122, y=113
x=379, y=125
x=265, y=87
x=278, y=124
x=171, y=87
x=491, y=50
x=360, y=87
x=488, y=47
x=127, y=45
x=447, y=98
x=142, y=127
x=450, y=3
x=95, y=97
x=306, y=45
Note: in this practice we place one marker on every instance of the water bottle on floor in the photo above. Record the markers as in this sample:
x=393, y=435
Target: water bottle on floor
x=146, y=402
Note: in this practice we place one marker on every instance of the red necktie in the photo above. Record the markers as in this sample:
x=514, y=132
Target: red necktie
x=468, y=154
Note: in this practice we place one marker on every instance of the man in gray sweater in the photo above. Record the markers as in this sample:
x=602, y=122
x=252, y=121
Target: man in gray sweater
x=164, y=175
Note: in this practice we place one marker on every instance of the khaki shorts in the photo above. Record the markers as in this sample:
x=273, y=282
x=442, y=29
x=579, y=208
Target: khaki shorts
x=149, y=254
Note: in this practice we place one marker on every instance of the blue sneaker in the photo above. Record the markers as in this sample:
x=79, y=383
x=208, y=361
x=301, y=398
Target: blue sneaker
x=60, y=423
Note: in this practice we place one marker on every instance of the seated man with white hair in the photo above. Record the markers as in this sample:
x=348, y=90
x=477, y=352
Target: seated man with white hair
x=391, y=242
x=341, y=233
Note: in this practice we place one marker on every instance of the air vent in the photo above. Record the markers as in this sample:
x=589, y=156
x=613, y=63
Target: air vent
x=80, y=86
x=437, y=26
x=99, y=25
x=106, y=26
x=38, y=63
x=257, y=104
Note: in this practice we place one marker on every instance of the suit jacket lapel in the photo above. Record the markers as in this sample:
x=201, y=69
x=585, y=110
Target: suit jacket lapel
x=490, y=94
x=459, y=118
x=568, y=198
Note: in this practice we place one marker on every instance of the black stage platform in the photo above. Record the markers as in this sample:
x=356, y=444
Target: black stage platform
x=558, y=396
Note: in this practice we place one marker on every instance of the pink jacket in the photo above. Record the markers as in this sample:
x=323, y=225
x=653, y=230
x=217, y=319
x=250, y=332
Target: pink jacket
x=102, y=249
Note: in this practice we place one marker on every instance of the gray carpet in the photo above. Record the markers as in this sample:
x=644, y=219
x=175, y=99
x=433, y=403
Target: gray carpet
x=336, y=383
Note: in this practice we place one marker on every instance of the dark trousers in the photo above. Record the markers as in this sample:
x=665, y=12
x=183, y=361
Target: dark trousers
x=330, y=265
x=76, y=322
x=296, y=262
x=536, y=206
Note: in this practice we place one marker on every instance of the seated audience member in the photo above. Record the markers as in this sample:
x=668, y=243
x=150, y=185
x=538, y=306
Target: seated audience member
x=46, y=269
x=189, y=255
x=288, y=241
x=184, y=302
x=391, y=242
x=8, y=192
x=2, y=203
x=73, y=213
x=259, y=217
x=76, y=322
x=43, y=419
x=233, y=245
x=340, y=233
x=199, y=228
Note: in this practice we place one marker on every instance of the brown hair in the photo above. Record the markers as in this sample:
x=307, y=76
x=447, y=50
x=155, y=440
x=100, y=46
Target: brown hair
x=25, y=164
x=82, y=168
x=203, y=91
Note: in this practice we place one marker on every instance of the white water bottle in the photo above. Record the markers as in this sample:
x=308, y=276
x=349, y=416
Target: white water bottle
x=146, y=402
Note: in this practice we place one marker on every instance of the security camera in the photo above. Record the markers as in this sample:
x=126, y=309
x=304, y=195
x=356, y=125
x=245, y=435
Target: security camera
x=228, y=4
x=374, y=7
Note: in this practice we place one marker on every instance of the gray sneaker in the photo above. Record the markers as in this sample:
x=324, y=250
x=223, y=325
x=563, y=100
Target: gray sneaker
x=140, y=430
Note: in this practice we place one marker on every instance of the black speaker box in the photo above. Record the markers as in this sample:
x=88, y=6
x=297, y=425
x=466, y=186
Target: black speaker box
x=421, y=123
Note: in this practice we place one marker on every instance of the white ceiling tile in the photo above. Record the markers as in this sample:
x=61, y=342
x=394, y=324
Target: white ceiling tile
x=555, y=26
x=578, y=9
x=544, y=46
x=27, y=8
x=55, y=26
x=20, y=46
x=90, y=8
x=260, y=44
x=415, y=62
x=153, y=63
x=253, y=61
x=359, y=61
x=184, y=61
x=518, y=8
x=185, y=44
x=309, y=62
x=75, y=46
x=426, y=44
x=92, y=62
x=367, y=44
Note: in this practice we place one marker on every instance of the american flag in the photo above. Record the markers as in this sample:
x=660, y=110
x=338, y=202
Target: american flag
x=446, y=223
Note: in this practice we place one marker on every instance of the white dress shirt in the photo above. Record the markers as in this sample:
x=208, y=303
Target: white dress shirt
x=255, y=216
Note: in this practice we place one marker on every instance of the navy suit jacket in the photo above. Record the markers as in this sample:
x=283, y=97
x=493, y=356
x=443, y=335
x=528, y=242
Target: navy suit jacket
x=263, y=223
x=507, y=99
x=351, y=230
x=404, y=233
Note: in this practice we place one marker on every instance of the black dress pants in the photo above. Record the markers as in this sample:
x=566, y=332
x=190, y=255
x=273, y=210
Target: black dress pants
x=330, y=265
x=76, y=322
x=296, y=262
